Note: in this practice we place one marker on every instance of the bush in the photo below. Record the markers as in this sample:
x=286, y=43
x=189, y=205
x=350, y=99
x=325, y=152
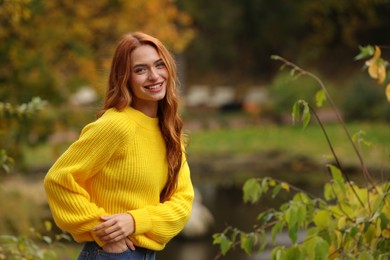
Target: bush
x=363, y=101
x=284, y=92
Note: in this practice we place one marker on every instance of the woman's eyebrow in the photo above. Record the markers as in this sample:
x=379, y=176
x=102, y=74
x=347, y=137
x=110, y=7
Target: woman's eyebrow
x=145, y=65
x=139, y=65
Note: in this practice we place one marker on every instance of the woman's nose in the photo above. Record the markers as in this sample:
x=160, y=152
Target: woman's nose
x=152, y=75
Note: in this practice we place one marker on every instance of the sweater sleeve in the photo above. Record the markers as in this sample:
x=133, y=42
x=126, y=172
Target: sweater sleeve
x=69, y=201
x=164, y=221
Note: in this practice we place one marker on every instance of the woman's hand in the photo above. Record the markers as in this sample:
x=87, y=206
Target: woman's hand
x=115, y=228
x=119, y=247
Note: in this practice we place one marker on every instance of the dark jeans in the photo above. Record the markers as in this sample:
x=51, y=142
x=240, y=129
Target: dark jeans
x=93, y=251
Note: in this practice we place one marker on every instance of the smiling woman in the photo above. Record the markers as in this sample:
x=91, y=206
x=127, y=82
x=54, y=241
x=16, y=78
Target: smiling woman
x=148, y=79
x=124, y=188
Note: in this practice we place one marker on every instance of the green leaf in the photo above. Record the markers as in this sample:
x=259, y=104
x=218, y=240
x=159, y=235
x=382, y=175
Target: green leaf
x=316, y=248
x=247, y=242
x=293, y=233
x=263, y=240
x=329, y=192
x=365, y=256
x=295, y=253
x=301, y=215
x=278, y=253
x=223, y=242
x=291, y=215
x=264, y=217
x=337, y=177
x=321, y=249
x=384, y=221
x=252, y=190
x=302, y=198
x=369, y=232
x=320, y=98
x=276, y=229
x=276, y=190
x=306, y=116
x=321, y=218
x=301, y=112
x=353, y=231
x=296, y=113
x=264, y=185
x=365, y=52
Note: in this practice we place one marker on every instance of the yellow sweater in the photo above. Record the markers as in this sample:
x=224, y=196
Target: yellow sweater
x=119, y=165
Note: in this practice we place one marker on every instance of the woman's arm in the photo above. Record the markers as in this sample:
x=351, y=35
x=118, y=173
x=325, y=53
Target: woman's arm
x=65, y=182
x=160, y=222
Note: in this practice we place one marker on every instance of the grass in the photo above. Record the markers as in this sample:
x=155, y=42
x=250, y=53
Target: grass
x=293, y=139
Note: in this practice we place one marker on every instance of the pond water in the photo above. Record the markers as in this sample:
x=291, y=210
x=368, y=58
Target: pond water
x=227, y=207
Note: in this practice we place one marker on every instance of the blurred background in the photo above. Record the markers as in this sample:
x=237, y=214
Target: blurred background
x=236, y=100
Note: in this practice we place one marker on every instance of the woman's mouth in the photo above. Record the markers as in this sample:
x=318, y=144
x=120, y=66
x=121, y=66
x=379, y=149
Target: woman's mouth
x=155, y=87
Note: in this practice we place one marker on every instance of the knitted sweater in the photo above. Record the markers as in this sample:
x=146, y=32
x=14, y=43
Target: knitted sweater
x=119, y=165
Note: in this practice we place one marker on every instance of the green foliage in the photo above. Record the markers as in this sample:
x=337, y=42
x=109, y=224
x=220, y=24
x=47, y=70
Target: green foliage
x=24, y=247
x=363, y=101
x=284, y=92
x=365, y=52
x=301, y=111
x=6, y=162
x=25, y=110
x=15, y=124
x=348, y=222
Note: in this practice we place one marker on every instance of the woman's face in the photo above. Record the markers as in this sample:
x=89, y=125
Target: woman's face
x=148, y=79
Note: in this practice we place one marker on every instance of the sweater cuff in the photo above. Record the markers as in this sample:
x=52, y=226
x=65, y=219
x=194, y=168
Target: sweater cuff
x=142, y=221
x=97, y=240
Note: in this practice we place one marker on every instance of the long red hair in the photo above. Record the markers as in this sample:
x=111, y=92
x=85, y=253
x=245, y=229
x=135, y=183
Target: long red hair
x=118, y=95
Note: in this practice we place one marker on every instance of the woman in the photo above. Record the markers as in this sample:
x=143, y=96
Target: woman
x=124, y=186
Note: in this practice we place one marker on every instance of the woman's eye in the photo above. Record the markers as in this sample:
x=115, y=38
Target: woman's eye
x=160, y=65
x=139, y=70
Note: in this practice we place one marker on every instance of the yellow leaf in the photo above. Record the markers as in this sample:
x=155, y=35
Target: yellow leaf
x=339, y=238
x=388, y=92
x=381, y=72
x=376, y=66
x=377, y=53
x=341, y=222
x=285, y=186
x=386, y=233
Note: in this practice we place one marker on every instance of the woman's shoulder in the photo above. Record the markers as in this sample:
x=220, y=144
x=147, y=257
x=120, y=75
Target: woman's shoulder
x=113, y=121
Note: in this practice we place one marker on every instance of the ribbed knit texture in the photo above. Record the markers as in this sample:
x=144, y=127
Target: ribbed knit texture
x=119, y=165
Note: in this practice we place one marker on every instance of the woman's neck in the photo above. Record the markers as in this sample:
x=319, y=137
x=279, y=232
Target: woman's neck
x=149, y=109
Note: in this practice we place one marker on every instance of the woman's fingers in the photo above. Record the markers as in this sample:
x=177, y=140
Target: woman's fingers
x=129, y=244
x=113, y=236
x=107, y=223
x=115, y=227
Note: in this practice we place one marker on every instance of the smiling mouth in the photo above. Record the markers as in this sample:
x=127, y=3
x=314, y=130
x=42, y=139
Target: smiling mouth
x=154, y=86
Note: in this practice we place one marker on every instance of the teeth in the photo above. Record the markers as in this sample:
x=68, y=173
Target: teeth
x=154, y=87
